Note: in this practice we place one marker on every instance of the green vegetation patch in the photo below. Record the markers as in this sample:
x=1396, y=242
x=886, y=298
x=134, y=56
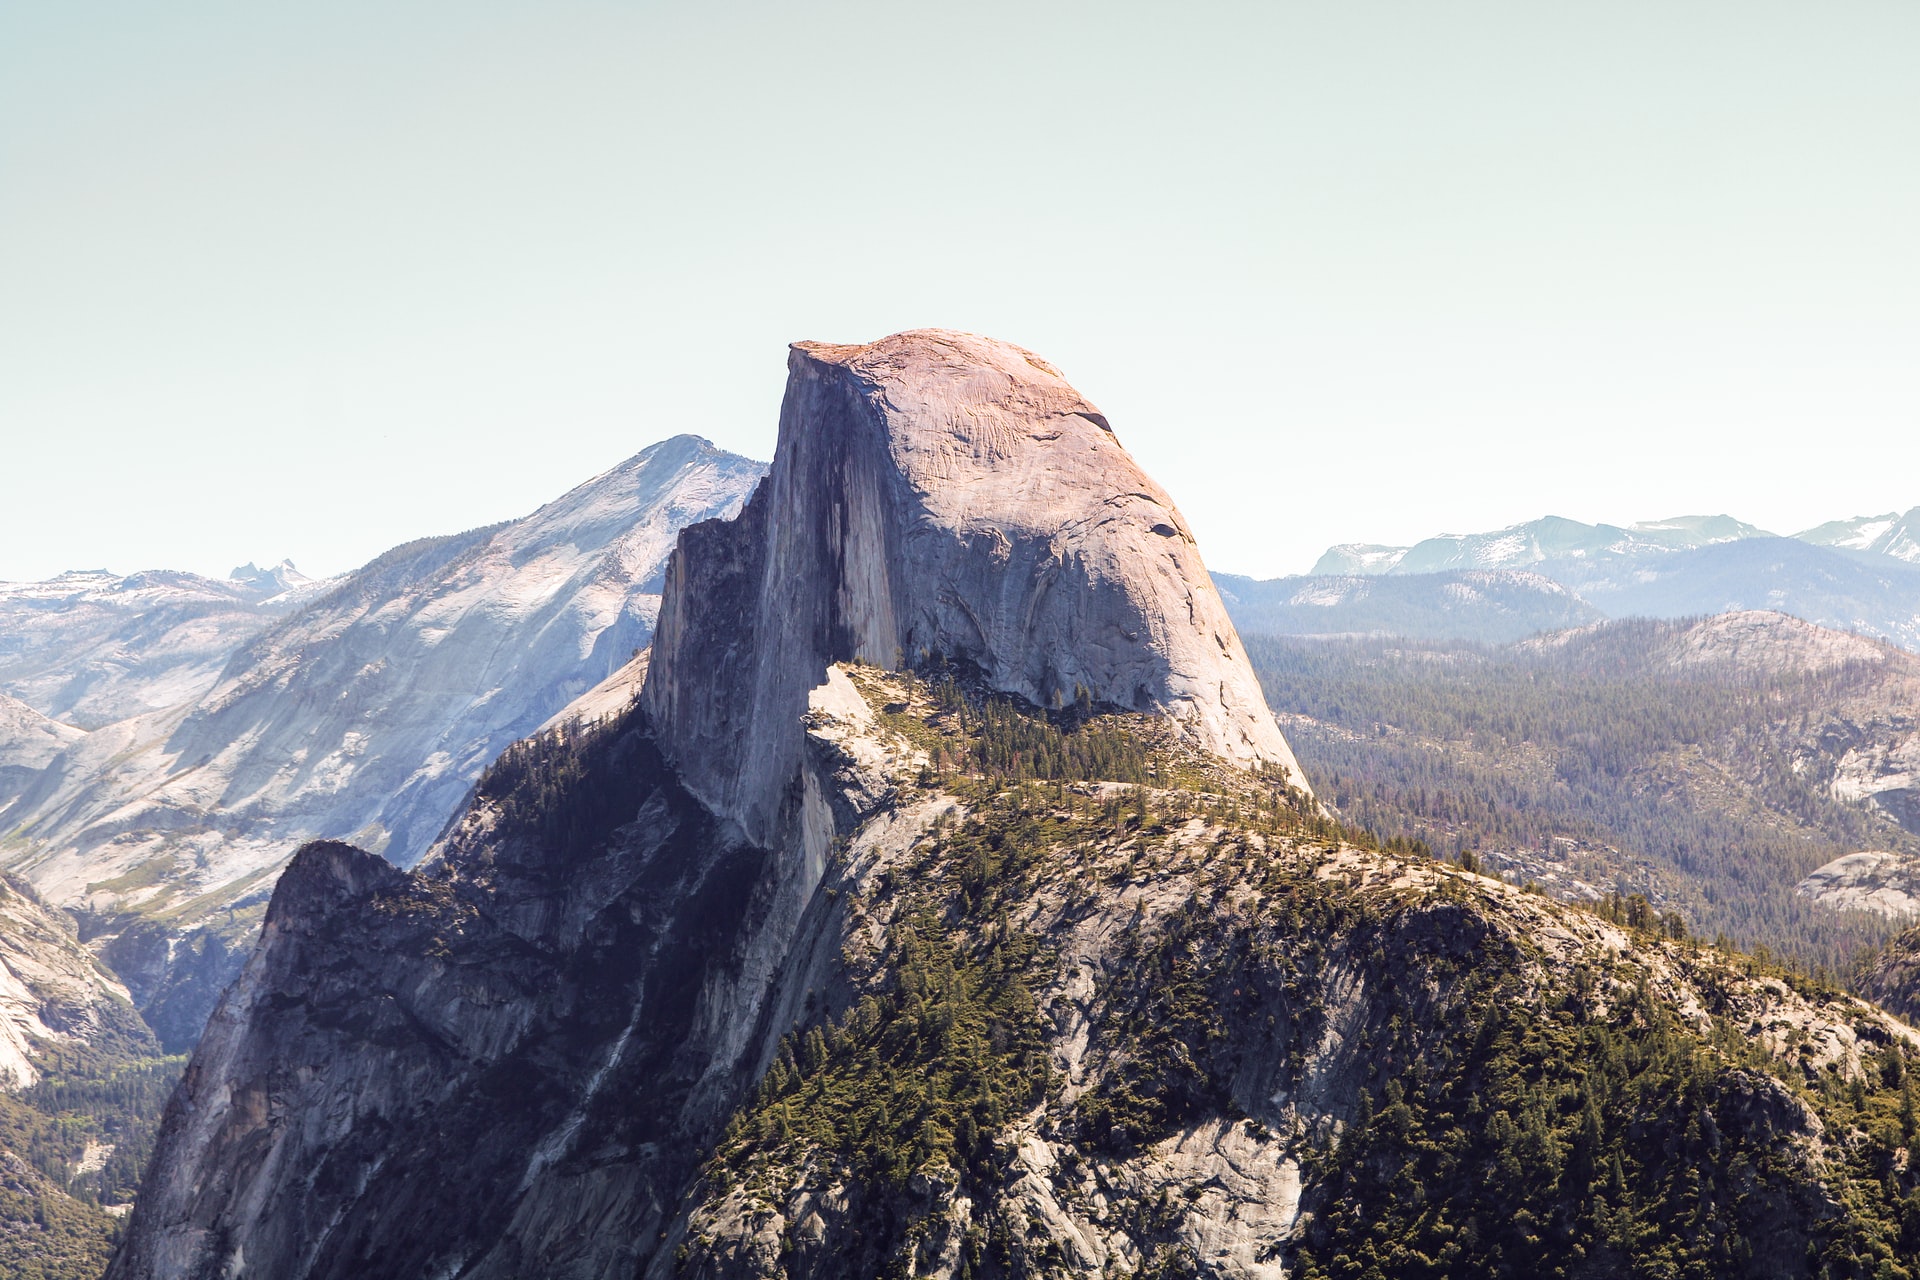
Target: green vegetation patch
x=1506, y=1114
x=1697, y=780
x=89, y=1100
x=1499, y=1130
x=917, y=1080
x=920, y=1080
x=155, y=870
x=570, y=788
x=1580, y=1142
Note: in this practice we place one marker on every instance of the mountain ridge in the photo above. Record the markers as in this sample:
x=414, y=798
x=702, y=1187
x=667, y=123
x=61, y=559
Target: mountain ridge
x=366, y=712
x=1895, y=535
x=1875, y=595
x=941, y=978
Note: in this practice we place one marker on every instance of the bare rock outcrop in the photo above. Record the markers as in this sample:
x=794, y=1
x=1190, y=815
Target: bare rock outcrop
x=939, y=494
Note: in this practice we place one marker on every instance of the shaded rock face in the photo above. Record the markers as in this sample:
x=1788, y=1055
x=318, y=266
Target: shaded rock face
x=937, y=494
x=502, y=1065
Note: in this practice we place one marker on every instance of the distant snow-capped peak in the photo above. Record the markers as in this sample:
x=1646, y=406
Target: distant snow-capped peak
x=1893, y=534
x=1548, y=538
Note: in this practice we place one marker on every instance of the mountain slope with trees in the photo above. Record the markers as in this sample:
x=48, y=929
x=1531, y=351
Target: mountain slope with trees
x=1707, y=765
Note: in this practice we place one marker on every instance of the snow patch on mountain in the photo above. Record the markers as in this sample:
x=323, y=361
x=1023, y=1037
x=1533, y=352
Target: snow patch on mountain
x=1548, y=538
x=1358, y=558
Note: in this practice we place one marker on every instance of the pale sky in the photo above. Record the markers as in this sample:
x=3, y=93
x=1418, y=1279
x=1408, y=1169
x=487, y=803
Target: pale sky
x=313, y=279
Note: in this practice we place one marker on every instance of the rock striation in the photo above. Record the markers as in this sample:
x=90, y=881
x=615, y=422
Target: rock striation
x=938, y=495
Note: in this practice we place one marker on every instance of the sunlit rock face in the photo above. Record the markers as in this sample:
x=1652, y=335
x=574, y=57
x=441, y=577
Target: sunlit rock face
x=938, y=494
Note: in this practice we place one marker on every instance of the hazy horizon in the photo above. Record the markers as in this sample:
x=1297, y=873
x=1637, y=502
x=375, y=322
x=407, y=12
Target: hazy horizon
x=271, y=562
x=312, y=282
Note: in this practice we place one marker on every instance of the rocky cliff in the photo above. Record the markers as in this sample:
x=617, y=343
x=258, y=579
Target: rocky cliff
x=940, y=495
x=947, y=969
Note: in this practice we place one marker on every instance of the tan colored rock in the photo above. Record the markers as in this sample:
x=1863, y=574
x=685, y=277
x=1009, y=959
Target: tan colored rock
x=939, y=493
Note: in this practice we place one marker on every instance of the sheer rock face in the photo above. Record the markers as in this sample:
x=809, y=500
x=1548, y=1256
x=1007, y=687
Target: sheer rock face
x=512, y=1060
x=938, y=493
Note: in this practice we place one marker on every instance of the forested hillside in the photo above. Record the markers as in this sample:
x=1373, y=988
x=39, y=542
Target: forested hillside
x=1694, y=763
x=82, y=1084
x=1063, y=1025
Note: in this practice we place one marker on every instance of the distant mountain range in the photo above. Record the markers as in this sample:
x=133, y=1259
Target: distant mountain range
x=1858, y=575
x=92, y=647
x=1555, y=538
x=1488, y=607
x=1888, y=535
x=1756, y=772
x=170, y=739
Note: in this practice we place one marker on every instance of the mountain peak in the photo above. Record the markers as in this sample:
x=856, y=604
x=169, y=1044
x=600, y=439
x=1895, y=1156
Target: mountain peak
x=1890, y=534
x=939, y=494
x=272, y=580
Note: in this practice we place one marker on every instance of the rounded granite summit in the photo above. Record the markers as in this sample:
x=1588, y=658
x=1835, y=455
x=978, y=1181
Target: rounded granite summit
x=937, y=492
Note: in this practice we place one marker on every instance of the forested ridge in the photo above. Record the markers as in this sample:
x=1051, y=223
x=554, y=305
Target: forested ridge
x=73, y=1147
x=1706, y=787
x=1471, y=1081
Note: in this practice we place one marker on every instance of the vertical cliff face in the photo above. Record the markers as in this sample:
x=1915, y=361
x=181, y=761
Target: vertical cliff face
x=940, y=494
x=801, y=967
x=517, y=1056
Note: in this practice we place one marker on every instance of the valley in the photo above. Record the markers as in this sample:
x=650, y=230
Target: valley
x=1710, y=766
